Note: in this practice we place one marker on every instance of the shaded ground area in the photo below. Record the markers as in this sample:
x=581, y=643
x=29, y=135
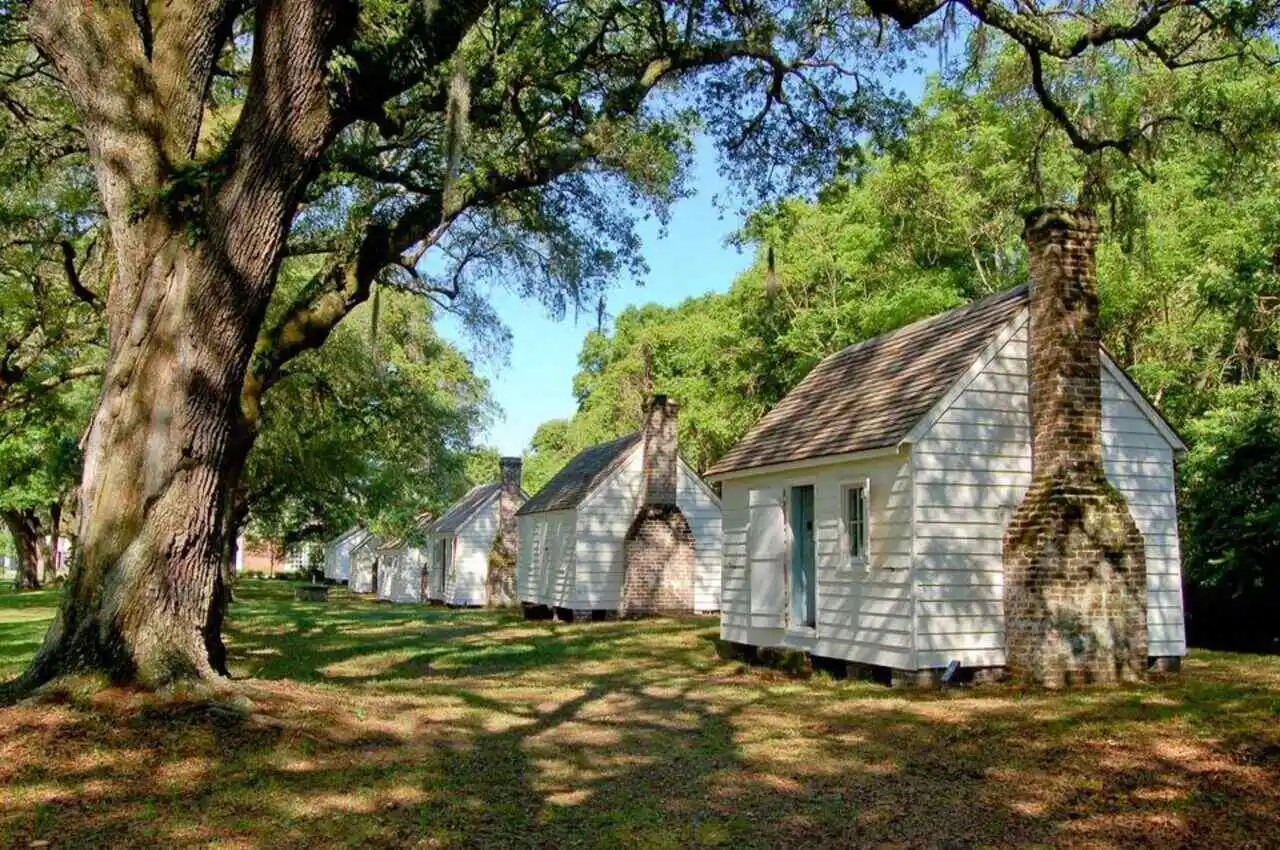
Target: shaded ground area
x=371, y=724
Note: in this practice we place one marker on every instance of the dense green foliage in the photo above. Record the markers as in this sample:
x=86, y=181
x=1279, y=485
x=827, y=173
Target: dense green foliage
x=50, y=259
x=39, y=455
x=1231, y=514
x=358, y=435
x=1189, y=273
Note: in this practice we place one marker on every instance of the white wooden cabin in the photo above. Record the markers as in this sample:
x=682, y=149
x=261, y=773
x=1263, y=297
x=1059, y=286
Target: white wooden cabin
x=337, y=554
x=573, y=532
x=864, y=515
x=401, y=572
x=458, y=544
x=364, y=564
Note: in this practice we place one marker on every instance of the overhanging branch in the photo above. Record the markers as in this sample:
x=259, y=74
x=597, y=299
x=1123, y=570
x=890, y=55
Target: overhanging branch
x=73, y=276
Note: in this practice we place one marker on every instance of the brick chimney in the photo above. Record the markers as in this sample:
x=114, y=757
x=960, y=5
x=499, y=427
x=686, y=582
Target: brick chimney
x=659, y=546
x=501, y=582
x=1064, y=365
x=511, y=472
x=660, y=451
x=1075, y=570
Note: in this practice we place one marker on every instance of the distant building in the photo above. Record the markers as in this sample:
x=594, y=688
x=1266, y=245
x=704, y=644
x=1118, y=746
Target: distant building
x=626, y=527
x=337, y=554
x=262, y=557
x=471, y=550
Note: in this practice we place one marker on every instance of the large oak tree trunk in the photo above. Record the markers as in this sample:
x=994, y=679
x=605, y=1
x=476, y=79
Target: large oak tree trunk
x=145, y=596
x=196, y=256
x=24, y=526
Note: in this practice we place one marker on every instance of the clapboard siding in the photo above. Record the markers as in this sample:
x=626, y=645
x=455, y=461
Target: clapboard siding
x=363, y=559
x=544, y=566
x=576, y=558
x=451, y=571
x=735, y=589
x=603, y=519
x=966, y=484
x=435, y=565
x=337, y=555
x=702, y=510
x=972, y=469
x=400, y=574
x=466, y=582
x=1140, y=463
x=864, y=611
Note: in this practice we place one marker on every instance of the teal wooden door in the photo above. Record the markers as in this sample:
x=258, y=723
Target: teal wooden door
x=803, y=584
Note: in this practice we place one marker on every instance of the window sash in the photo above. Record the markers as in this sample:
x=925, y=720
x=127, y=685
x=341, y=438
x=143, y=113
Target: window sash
x=857, y=522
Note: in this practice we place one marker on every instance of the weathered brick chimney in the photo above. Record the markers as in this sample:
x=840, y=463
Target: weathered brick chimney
x=659, y=545
x=1075, y=585
x=660, y=448
x=506, y=544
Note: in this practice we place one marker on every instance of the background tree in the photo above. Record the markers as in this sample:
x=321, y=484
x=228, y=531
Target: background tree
x=39, y=467
x=1188, y=271
x=507, y=137
x=346, y=439
x=1231, y=518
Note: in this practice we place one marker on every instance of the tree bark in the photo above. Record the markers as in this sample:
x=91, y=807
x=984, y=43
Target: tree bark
x=144, y=601
x=24, y=526
x=145, y=598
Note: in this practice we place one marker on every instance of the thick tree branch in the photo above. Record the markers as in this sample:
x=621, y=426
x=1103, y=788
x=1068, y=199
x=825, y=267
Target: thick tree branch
x=187, y=38
x=73, y=277
x=100, y=57
x=431, y=36
x=20, y=395
x=1036, y=33
x=346, y=282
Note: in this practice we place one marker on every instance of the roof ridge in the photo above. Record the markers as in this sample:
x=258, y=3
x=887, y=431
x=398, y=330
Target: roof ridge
x=925, y=321
x=464, y=505
x=577, y=478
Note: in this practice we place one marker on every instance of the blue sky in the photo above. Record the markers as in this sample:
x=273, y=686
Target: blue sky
x=536, y=384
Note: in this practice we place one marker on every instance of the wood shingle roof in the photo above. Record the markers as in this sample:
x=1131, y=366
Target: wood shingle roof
x=460, y=511
x=871, y=394
x=571, y=484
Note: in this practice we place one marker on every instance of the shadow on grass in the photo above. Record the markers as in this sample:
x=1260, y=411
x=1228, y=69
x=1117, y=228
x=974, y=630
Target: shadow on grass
x=311, y=642
x=24, y=619
x=479, y=730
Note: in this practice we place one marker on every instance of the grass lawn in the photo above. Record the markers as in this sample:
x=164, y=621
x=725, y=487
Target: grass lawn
x=402, y=726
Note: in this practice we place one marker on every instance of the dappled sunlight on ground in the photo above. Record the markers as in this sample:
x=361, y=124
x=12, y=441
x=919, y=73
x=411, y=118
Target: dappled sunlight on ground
x=355, y=722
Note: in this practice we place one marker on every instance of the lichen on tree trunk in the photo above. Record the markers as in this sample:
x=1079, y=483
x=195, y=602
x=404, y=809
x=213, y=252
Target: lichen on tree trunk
x=144, y=601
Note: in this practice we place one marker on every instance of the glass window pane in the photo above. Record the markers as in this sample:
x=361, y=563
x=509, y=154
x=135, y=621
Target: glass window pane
x=856, y=521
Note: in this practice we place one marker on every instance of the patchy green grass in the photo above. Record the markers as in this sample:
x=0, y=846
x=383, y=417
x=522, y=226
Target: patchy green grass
x=23, y=620
x=379, y=725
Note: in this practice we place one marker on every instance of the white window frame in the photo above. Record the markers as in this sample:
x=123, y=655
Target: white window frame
x=848, y=559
